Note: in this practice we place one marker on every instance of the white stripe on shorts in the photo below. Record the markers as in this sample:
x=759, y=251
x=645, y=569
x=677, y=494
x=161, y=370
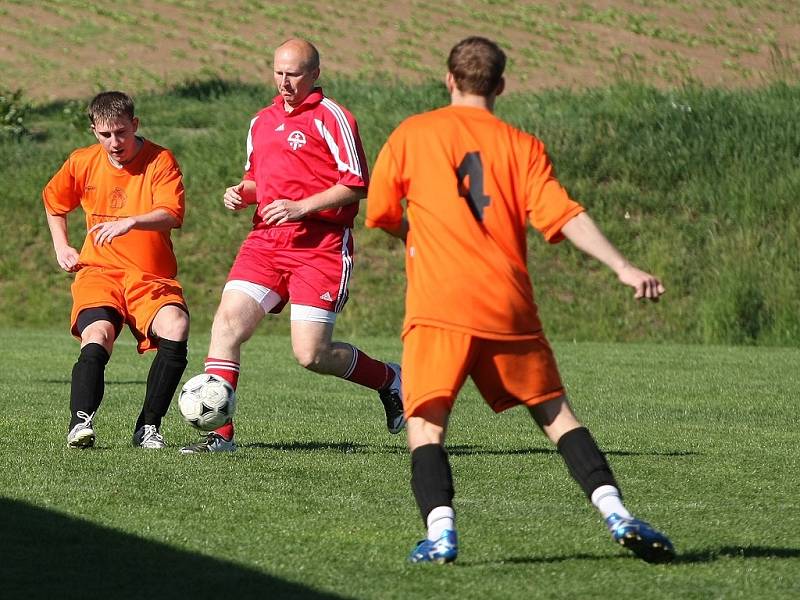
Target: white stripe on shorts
x=347, y=268
x=266, y=298
x=303, y=312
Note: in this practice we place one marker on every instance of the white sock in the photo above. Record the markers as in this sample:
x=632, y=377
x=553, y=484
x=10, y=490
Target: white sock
x=439, y=519
x=607, y=500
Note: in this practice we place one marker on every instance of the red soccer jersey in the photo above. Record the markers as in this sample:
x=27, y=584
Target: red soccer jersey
x=292, y=155
x=151, y=180
x=472, y=184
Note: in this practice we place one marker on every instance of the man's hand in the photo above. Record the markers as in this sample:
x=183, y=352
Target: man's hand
x=107, y=230
x=646, y=285
x=67, y=258
x=232, y=198
x=280, y=211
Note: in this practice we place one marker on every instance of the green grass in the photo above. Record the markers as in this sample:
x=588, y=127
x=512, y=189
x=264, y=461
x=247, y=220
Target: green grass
x=697, y=185
x=316, y=503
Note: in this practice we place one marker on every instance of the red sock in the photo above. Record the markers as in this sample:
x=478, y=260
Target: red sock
x=368, y=372
x=229, y=371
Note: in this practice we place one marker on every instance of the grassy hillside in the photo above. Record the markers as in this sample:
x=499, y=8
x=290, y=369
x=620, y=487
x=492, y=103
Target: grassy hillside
x=696, y=184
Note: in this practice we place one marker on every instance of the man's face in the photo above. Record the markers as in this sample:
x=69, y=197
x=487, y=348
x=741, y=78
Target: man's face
x=292, y=77
x=118, y=138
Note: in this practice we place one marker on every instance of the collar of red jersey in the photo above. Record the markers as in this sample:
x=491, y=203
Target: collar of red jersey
x=314, y=98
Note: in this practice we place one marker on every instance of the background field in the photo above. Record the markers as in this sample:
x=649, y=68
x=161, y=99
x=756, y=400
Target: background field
x=674, y=121
x=316, y=503
x=70, y=48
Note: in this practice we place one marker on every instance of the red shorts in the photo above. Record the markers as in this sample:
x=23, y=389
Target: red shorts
x=136, y=296
x=436, y=362
x=309, y=264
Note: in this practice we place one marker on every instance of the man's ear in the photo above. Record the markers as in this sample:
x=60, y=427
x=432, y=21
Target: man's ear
x=450, y=82
x=135, y=123
x=501, y=85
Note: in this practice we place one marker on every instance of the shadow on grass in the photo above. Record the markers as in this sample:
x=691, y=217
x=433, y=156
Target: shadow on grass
x=461, y=450
x=713, y=554
x=701, y=556
x=341, y=447
x=50, y=555
x=108, y=383
x=455, y=450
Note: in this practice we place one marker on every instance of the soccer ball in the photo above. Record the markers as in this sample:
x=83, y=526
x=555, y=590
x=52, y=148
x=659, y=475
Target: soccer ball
x=207, y=401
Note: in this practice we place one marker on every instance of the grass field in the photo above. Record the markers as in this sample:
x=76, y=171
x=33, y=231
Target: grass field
x=316, y=503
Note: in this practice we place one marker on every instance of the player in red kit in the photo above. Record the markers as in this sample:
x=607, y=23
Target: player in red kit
x=306, y=172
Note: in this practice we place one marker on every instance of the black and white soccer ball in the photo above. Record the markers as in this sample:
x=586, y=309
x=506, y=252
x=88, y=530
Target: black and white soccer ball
x=207, y=401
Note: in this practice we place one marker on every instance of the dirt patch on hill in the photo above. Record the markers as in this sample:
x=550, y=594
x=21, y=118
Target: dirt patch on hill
x=53, y=51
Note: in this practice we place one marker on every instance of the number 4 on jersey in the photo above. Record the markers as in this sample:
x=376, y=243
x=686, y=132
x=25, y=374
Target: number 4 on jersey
x=472, y=167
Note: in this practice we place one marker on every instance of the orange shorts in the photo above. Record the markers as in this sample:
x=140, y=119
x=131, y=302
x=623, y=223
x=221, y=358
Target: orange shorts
x=135, y=295
x=436, y=362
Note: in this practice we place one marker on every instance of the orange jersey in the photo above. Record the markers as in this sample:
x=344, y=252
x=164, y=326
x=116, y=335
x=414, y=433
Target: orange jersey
x=151, y=180
x=472, y=183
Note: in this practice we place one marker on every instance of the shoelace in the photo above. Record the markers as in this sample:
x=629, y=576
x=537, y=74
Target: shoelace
x=87, y=418
x=151, y=433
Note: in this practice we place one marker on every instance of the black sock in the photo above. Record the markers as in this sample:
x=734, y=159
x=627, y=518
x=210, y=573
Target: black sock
x=431, y=479
x=585, y=461
x=88, y=381
x=162, y=381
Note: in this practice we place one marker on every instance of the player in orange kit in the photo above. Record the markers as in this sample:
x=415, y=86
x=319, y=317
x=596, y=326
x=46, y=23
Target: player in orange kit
x=472, y=183
x=131, y=191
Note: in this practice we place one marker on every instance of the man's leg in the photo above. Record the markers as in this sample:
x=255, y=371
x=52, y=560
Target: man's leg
x=432, y=482
x=170, y=327
x=312, y=333
x=589, y=467
x=98, y=328
x=240, y=310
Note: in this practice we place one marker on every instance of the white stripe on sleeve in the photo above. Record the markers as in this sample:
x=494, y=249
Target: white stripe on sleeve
x=347, y=135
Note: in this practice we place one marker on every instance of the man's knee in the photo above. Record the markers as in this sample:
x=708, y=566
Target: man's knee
x=99, y=325
x=230, y=325
x=312, y=357
x=171, y=323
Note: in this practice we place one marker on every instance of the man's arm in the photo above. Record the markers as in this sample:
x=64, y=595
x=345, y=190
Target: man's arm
x=158, y=219
x=584, y=234
x=336, y=196
x=66, y=255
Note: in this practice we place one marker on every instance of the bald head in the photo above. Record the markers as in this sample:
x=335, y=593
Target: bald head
x=296, y=70
x=301, y=50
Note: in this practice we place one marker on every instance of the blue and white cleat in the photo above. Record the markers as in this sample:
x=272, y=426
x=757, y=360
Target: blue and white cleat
x=640, y=538
x=442, y=551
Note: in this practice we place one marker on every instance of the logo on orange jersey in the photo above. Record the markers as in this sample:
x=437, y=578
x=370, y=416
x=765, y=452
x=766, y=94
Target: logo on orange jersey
x=118, y=198
x=296, y=139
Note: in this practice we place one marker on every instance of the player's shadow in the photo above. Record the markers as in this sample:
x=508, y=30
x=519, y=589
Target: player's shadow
x=310, y=446
x=50, y=555
x=467, y=449
x=747, y=552
x=700, y=556
x=108, y=383
x=453, y=450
